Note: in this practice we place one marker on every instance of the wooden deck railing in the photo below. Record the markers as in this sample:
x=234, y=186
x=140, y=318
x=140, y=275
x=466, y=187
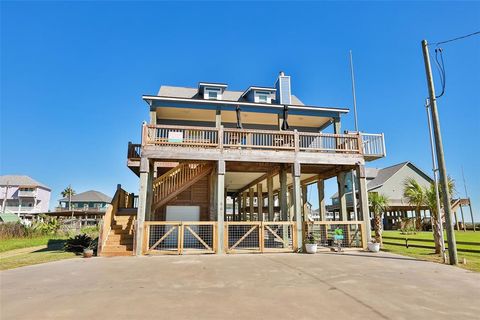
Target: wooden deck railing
x=369, y=145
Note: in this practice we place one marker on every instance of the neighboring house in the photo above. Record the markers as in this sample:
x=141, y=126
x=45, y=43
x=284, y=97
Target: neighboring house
x=23, y=196
x=390, y=182
x=259, y=147
x=91, y=201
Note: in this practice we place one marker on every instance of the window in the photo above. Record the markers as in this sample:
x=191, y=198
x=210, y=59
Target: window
x=212, y=94
x=262, y=96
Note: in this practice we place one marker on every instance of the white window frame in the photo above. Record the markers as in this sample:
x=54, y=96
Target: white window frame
x=259, y=93
x=207, y=90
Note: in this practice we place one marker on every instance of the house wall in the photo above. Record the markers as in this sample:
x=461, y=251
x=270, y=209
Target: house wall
x=393, y=187
x=197, y=195
x=43, y=199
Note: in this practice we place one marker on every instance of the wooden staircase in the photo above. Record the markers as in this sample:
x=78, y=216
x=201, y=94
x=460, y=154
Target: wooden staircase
x=177, y=180
x=118, y=224
x=120, y=238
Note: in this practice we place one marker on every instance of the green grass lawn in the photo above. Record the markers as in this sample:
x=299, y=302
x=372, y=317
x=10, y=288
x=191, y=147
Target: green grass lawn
x=11, y=244
x=14, y=253
x=472, y=259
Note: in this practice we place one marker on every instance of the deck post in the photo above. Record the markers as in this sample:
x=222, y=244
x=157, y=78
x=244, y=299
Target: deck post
x=218, y=118
x=321, y=198
x=142, y=204
x=250, y=204
x=297, y=207
x=463, y=219
x=220, y=205
x=149, y=213
x=270, y=198
x=234, y=204
x=363, y=197
x=283, y=195
x=342, y=198
x=260, y=202
x=244, y=206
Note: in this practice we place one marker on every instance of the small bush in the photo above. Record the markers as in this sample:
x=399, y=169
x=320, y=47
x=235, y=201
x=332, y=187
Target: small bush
x=79, y=242
x=13, y=230
x=91, y=231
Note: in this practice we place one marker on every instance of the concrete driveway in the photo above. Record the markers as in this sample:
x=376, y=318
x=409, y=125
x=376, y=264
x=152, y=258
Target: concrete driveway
x=268, y=286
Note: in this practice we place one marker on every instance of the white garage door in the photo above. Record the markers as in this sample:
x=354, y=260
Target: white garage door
x=183, y=213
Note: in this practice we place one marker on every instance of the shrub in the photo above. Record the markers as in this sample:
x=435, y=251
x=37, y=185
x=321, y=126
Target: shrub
x=13, y=230
x=79, y=242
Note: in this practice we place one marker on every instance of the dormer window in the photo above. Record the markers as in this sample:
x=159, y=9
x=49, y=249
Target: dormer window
x=212, y=94
x=258, y=94
x=262, y=97
x=211, y=91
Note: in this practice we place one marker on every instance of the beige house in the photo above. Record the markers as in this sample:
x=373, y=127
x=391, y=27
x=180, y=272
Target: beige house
x=258, y=149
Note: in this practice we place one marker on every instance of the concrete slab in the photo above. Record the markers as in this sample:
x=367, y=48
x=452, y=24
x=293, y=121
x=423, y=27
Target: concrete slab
x=268, y=286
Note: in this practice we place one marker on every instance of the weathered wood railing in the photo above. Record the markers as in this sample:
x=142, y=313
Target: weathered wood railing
x=369, y=145
x=134, y=151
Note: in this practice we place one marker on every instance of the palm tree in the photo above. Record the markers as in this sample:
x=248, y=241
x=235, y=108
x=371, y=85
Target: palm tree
x=379, y=204
x=431, y=203
x=415, y=195
x=68, y=192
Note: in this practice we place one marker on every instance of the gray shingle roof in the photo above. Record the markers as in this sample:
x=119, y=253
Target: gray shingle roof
x=384, y=174
x=377, y=177
x=19, y=180
x=89, y=196
x=192, y=93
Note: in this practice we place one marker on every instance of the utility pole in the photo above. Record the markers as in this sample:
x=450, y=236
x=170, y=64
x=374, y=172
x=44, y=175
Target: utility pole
x=452, y=246
x=435, y=181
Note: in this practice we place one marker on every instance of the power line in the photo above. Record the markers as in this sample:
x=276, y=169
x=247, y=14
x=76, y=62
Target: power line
x=455, y=39
x=441, y=69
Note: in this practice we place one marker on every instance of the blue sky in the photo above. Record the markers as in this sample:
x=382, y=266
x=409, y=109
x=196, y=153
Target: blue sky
x=72, y=76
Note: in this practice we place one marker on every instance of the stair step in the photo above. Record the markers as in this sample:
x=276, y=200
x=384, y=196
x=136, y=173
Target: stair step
x=118, y=237
x=117, y=247
x=119, y=242
x=116, y=254
x=122, y=232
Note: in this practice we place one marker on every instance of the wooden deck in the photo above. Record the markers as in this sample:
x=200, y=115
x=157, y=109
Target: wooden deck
x=185, y=142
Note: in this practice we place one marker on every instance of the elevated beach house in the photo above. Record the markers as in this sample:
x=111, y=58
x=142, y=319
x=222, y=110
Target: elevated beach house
x=23, y=196
x=256, y=149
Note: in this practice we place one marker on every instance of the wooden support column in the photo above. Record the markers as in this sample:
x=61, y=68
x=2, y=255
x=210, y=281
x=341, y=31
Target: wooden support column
x=282, y=195
x=456, y=221
x=153, y=116
x=297, y=207
x=471, y=214
x=260, y=202
x=321, y=198
x=363, y=197
x=290, y=203
x=142, y=205
x=463, y=219
x=271, y=202
x=342, y=197
x=149, y=215
x=244, y=206
x=251, y=196
x=234, y=204
x=337, y=127
x=304, y=200
x=218, y=118
x=220, y=205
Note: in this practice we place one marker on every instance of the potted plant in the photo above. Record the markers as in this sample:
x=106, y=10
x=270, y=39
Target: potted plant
x=373, y=246
x=88, y=252
x=311, y=243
